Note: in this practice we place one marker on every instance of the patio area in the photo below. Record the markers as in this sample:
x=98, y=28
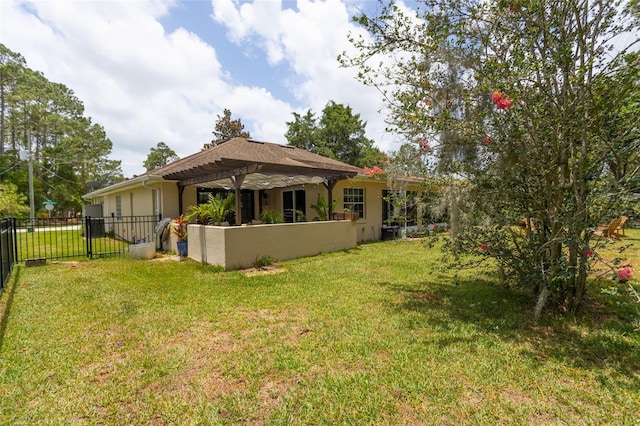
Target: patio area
x=237, y=247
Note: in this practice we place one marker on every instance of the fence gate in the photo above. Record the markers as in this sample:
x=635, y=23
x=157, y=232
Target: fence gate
x=88, y=237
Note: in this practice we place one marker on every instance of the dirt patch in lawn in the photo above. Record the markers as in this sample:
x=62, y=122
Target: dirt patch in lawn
x=263, y=270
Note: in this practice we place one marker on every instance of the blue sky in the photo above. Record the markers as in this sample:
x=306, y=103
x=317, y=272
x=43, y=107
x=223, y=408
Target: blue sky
x=162, y=70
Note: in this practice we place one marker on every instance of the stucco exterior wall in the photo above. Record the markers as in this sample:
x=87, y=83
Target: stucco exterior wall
x=240, y=246
x=140, y=200
x=169, y=200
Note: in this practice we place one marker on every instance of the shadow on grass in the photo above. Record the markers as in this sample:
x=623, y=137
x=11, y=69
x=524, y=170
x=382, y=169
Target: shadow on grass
x=15, y=277
x=582, y=341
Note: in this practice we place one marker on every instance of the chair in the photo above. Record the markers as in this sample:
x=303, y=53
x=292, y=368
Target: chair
x=619, y=232
x=609, y=230
x=527, y=225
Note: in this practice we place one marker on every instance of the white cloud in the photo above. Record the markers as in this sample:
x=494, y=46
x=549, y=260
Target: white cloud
x=309, y=41
x=142, y=84
x=146, y=85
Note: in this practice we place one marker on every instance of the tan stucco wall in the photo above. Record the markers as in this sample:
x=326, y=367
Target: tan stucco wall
x=240, y=246
x=368, y=228
x=169, y=201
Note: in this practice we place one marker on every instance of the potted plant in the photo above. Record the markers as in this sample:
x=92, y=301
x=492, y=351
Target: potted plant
x=271, y=216
x=347, y=215
x=214, y=211
x=322, y=207
x=179, y=229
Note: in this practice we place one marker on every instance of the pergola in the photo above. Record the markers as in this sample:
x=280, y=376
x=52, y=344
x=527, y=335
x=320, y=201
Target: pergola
x=241, y=163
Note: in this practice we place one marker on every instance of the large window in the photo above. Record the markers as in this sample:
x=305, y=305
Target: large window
x=354, y=200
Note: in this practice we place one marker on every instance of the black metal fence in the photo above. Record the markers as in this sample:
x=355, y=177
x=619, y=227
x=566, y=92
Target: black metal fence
x=7, y=249
x=68, y=238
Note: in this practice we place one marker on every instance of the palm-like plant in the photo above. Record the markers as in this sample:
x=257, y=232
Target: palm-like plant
x=271, y=216
x=215, y=210
x=322, y=207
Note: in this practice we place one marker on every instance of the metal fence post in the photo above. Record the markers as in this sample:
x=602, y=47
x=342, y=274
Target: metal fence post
x=87, y=236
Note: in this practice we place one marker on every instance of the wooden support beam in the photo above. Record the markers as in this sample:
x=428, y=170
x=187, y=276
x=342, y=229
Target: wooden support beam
x=237, y=181
x=330, y=184
x=180, y=192
x=246, y=170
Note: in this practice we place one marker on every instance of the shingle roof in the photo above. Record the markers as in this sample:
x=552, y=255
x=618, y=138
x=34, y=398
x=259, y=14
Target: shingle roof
x=245, y=156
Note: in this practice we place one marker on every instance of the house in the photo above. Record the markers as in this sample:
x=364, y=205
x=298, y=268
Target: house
x=263, y=176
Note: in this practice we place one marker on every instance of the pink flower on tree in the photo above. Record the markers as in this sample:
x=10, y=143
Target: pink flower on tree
x=372, y=171
x=486, y=140
x=625, y=274
x=485, y=247
x=501, y=100
x=424, y=143
x=588, y=252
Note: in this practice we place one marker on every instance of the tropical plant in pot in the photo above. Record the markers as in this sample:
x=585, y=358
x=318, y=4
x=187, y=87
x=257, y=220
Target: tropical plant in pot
x=271, y=216
x=179, y=229
x=322, y=207
x=214, y=211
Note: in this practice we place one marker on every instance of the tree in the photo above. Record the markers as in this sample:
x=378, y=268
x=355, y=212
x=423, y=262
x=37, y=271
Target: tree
x=338, y=134
x=160, y=156
x=506, y=93
x=226, y=129
x=45, y=120
x=12, y=203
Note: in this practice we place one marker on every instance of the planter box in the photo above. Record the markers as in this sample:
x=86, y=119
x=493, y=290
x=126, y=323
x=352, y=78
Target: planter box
x=143, y=250
x=346, y=216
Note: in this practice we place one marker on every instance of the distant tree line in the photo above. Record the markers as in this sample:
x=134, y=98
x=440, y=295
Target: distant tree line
x=45, y=121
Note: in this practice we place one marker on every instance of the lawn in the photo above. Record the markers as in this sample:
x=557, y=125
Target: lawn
x=63, y=243
x=375, y=335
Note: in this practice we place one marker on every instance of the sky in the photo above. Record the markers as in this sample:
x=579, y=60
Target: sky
x=151, y=71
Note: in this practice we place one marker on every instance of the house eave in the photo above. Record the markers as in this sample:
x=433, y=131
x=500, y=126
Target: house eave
x=139, y=181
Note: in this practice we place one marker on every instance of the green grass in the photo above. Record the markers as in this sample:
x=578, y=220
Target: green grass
x=375, y=335
x=55, y=244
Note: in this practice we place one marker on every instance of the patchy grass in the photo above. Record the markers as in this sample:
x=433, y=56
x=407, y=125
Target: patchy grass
x=375, y=335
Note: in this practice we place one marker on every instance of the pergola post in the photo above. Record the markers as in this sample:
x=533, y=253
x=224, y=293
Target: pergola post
x=237, y=184
x=180, y=192
x=330, y=183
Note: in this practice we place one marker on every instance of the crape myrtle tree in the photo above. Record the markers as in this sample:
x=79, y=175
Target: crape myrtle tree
x=530, y=108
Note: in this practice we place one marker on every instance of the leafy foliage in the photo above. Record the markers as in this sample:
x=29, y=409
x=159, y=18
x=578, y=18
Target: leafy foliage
x=214, y=211
x=45, y=119
x=520, y=103
x=322, y=207
x=271, y=216
x=179, y=227
x=338, y=134
x=226, y=129
x=12, y=203
x=160, y=156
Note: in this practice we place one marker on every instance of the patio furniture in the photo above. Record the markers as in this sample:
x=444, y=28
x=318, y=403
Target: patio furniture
x=619, y=232
x=609, y=230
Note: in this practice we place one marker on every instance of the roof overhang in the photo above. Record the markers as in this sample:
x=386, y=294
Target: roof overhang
x=129, y=183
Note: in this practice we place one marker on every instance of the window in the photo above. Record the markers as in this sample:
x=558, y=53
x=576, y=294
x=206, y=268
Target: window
x=399, y=207
x=294, y=206
x=353, y=199
x=118, y=206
